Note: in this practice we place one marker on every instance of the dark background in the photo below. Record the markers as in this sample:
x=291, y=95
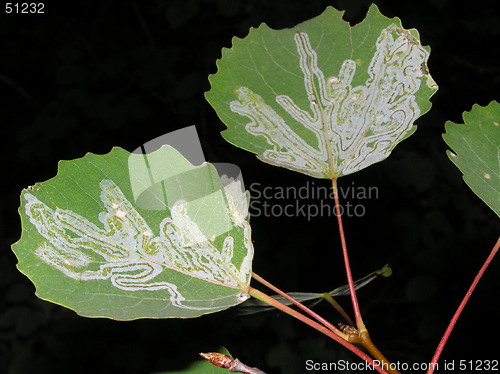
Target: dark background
x=89, y=76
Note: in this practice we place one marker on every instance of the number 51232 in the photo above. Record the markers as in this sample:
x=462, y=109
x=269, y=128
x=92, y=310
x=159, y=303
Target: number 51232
x=24, y=7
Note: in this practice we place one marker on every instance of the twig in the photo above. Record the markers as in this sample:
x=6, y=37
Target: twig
x=337, y=307
x=460, y=308
x=227, y=362
x=299, y=304
x=259, y=295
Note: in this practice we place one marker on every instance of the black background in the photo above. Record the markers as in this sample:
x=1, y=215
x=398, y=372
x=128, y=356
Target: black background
x=89, y=76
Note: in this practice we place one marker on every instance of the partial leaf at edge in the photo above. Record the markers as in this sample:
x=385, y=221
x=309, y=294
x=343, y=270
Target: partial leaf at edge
x=323, y=98
x=89, y=246
x=476, y=151
x=199, y=366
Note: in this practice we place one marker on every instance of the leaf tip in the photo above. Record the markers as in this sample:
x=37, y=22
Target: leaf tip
x=386, y=271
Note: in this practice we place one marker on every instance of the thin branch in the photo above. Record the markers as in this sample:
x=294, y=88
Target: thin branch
x=300, y=305
x=352, y=289
x=367, y=343
x=259, y=295
x=460, y=308
x=354, y=336
x=233, y=364
x=337, y=307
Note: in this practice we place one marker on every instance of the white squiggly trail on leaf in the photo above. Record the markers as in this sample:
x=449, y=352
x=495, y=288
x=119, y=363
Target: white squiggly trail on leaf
x=132, y=256
x=238, y=199
x=354, y=126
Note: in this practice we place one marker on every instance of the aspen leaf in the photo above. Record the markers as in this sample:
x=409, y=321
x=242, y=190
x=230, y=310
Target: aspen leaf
x=476, y=151
x=323, y=98
x=88, y=242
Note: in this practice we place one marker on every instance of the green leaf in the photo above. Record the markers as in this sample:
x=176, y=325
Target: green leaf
x=323, y=98
x=129, y=236
x=476, y=151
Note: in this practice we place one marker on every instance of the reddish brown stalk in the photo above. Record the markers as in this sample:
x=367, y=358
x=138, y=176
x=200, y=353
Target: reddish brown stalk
x=337, y=307
x=300, y=305
x=362, y=332
x=352, y=289
x=460, y=308
x=367, y=343
x=308, y=321
x=361, y=338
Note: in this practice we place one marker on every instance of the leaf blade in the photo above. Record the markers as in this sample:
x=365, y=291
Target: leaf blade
x=305, y=90
x=87, y=247
x=476, y=151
